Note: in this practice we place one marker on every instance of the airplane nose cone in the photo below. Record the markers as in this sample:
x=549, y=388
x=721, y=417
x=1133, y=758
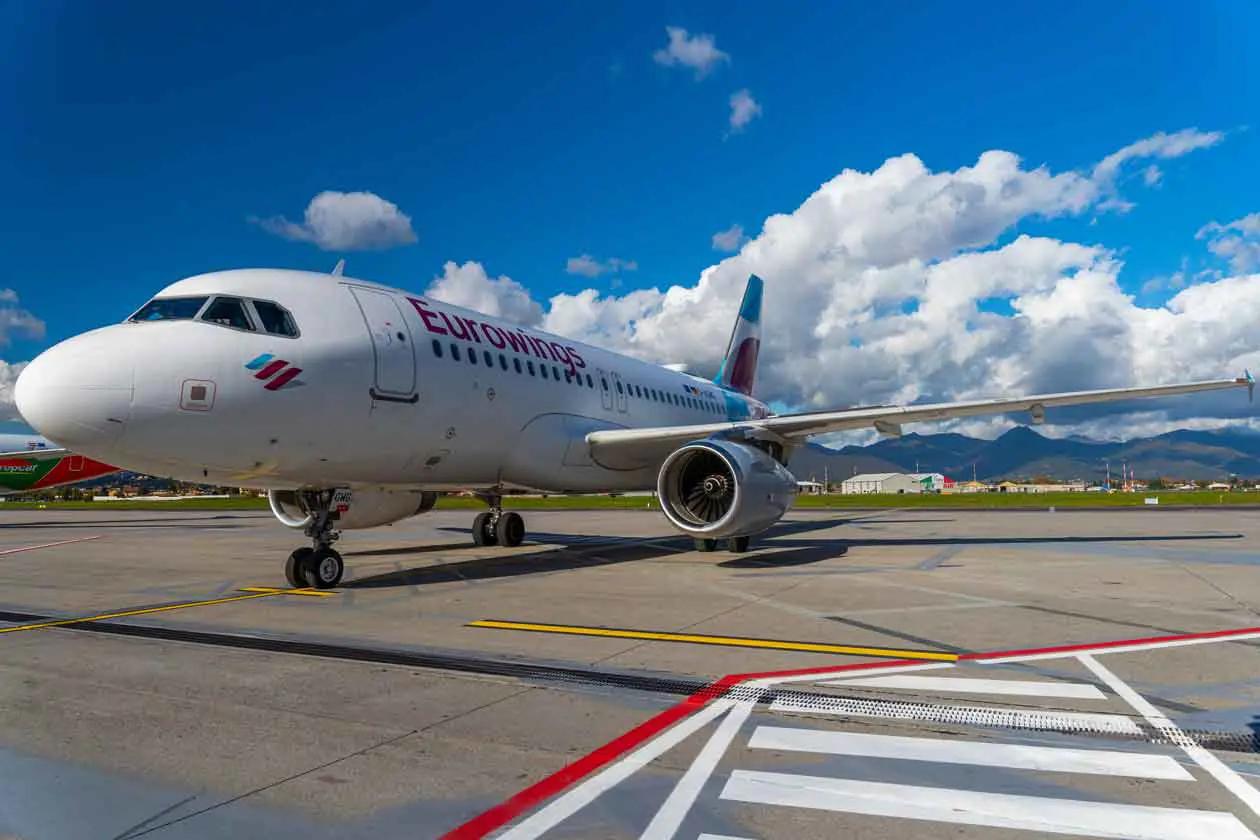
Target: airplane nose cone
x=78, y=393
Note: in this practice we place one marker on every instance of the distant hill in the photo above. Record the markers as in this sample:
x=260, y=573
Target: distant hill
x=813, y=462
x=1023, y=453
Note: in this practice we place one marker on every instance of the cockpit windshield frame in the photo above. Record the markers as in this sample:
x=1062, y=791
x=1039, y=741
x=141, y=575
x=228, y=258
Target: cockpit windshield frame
x=289, y=322
x=246, y=311
x=175, y=301
x=252, y=308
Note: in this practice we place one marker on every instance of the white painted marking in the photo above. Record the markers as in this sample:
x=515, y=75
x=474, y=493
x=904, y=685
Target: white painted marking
x=585, y=793
x=667, y=820
x=48, y=545
x=1209, y=762
x=950, y=751
x=981, y=715
x=1100, y=651
x=670, y=816
x=978, y=686
x=823, y=675
x=997, y=810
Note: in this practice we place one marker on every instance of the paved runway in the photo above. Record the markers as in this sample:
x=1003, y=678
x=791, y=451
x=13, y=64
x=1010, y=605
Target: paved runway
x=874, y=674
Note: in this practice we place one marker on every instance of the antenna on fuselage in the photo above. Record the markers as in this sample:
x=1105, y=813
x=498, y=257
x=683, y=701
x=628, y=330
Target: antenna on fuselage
x=339, y=267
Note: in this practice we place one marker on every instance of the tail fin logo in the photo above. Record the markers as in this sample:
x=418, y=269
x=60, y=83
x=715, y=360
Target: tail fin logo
x=277, y=373
x=739, y=367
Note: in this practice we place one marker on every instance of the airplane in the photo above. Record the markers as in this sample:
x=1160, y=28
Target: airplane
x=29, y=463
x=353, y=404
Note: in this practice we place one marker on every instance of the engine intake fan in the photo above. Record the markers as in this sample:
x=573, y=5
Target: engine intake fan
x=716, y=488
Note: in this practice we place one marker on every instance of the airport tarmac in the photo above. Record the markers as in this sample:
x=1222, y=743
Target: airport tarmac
x=868, y=674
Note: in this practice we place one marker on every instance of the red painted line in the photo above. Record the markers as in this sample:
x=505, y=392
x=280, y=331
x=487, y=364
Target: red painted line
x=48, y=545
x=828, y=669
x=1212, y=634
x=508, y=810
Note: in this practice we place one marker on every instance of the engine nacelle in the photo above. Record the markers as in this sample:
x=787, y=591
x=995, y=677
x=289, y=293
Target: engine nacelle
x=364, y=510
x=712, y=489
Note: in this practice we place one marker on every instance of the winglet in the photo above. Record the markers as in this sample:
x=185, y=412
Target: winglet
x=339, y=267
x=1251, y=385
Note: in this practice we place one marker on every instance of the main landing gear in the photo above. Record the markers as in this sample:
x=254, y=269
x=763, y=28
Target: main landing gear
x=495, y=527
x=735, y=545
x=318, y=567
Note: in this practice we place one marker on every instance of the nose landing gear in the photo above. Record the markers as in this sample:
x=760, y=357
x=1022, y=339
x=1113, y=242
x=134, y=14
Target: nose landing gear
x=494, y=527
x=319, y=567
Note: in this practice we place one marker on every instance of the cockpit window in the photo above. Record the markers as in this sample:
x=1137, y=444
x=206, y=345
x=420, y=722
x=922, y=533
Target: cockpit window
x=170, y=309
x=228, y=311
x=275, y=319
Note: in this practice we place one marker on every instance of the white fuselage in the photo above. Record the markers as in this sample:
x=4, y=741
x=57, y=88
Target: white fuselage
x=394, y=391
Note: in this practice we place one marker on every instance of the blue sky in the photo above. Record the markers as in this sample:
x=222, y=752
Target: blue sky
x=140, y=137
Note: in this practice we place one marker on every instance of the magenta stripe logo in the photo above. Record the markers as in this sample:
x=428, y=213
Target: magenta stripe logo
x=275, y=372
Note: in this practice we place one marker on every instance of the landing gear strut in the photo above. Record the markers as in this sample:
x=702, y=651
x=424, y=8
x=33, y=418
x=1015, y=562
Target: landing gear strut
x=318, y=567
x=494, y=527
x=736, y=545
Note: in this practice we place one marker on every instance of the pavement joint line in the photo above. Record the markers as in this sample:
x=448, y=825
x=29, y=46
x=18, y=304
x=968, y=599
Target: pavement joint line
x=309, y=593
x=22, y=548
x=721, y=641
x=64, y=622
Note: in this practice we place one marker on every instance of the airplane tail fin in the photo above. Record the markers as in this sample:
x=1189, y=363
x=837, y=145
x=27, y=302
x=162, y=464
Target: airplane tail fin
x=739, y=368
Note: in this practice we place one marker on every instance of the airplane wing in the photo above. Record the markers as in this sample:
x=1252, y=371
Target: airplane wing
x=794, y=428
x=34, y=454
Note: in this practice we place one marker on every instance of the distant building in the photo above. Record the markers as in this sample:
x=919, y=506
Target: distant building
x=971, y=487
x=809, y=488
x=1012, y=487
x=880, y=483
x=933, y=481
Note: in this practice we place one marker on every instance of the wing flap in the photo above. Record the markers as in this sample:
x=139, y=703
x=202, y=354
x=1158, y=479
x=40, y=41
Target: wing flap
x=795, y=427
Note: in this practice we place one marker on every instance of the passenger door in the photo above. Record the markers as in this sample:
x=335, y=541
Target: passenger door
x=391, y=345
x=619, y=391
x=605, y=389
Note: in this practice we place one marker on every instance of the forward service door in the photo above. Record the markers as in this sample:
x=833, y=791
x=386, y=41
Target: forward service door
x=391, y=345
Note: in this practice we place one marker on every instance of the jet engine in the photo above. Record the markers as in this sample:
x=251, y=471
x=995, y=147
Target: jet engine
x=712, y=489
x=365, y=509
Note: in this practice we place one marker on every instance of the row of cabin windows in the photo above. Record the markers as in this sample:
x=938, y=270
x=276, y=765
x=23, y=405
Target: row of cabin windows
x=470, y=353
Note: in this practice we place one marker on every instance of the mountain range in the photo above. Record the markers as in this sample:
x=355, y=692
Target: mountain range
x=1022, y=453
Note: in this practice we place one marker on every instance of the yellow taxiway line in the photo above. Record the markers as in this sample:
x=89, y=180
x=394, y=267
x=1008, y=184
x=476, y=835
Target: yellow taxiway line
x=724, y=641
x=255, y=592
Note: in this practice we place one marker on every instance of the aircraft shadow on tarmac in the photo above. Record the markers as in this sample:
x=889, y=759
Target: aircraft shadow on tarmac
x=575, y=552
x=582, y=552
x=812, y=551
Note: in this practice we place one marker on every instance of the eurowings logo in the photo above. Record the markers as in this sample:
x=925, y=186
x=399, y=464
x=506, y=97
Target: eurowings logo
x=276, y=372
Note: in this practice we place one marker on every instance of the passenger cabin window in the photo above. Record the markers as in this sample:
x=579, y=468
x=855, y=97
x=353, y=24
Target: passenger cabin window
x=228, y=312
x=275, y=319
x=170, y=309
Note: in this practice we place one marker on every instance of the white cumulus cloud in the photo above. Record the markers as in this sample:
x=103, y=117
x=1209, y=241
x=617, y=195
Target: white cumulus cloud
x=1160, y=145
x=339, y=221
x=15, y=323
x=743, y=109
x=1237, y=241
x=469, y=285
x=900, y=285
x=699, y=52
x=730, y=239
x=587, y=266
